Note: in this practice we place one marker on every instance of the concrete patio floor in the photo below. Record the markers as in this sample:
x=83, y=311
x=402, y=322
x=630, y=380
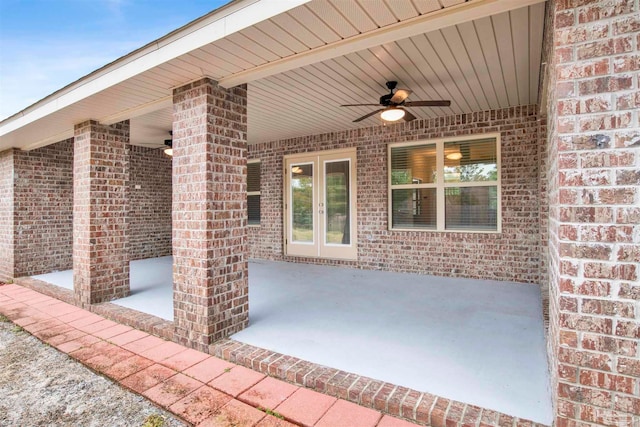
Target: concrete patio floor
x=479, y=342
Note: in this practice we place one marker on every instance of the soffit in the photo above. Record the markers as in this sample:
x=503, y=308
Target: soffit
x=488, y=63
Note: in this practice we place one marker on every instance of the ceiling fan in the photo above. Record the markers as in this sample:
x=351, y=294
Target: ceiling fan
x=166, y=146
x=394, y=104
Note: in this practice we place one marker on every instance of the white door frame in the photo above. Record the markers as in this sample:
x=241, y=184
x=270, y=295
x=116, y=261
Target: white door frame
x=319, y=247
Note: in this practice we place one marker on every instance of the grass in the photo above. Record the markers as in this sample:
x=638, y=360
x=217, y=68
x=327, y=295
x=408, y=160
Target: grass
x=153, y=420
x=302, y=235
x=271, y=412
x=18, y=329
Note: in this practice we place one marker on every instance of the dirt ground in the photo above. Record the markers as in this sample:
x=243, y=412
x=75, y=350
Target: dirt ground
x=40, y=386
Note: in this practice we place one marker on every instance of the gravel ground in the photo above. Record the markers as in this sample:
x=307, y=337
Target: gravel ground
x=40, y=386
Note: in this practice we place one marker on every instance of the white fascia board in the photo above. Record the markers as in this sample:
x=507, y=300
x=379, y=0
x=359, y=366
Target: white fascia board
x=243, y=14
x=453, y=15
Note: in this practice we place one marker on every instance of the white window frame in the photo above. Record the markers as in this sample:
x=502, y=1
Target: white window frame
x=254, y=193
x=441, y=185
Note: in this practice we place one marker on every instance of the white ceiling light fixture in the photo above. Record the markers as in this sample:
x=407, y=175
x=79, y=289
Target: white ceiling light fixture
x=456, y=155
x=392, y=114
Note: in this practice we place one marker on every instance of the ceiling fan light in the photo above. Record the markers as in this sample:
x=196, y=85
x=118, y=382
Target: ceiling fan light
x=392, y=114
x=168, y=151
x=454, y=156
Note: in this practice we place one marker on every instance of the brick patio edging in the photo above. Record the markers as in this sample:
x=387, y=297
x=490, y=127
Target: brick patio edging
x=415, y=406
x=412, y=405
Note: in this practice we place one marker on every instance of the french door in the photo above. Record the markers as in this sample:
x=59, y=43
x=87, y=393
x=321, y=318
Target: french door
x=320, y=204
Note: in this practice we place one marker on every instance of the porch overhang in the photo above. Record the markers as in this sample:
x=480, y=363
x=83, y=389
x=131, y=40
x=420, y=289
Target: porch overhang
x=253, y=42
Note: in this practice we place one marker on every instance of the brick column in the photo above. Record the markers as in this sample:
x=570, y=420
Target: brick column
x=7, y=247
x=209, y=213
x=101, y=174
x=594, y=213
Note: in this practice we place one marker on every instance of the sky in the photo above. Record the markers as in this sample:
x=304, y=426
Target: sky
x=47, y=44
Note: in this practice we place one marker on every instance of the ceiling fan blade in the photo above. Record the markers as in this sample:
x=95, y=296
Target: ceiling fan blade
x=148, y=144
x=360, y=105
x=366, y=116
x=400, y=95
x=435, y=103
x=408, y=116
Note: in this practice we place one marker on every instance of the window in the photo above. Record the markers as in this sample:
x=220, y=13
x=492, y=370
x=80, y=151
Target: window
x=445, y=185
x=253, y=191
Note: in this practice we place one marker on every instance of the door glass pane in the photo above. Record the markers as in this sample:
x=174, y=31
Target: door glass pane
x=337, y=203
x=253, y=208
x=302, y=202
x=414, y=208
x=473, y=208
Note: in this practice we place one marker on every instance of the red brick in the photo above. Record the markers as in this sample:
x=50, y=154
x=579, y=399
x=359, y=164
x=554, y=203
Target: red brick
x=607, y=344
x=172, y=389
x=602, y=10
x=305, y=406
x=581, y=394
x=581, y=322
x=585, y=359
x=236, y=380
x=628, y=366
x=606, y=381
x=349, y=414
x=604, y=233
x=628, y=404
x=567, y=373
x=629, y=291
x=594, y=288
x=268, y=393
x=608, y=308
x=629, y=329
x=568, y=338
x=200, y=404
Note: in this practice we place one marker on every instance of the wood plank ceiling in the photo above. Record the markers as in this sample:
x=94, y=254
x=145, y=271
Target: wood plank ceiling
x=487, y=63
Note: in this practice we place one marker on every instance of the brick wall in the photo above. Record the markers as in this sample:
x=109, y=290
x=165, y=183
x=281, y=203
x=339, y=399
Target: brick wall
x=150, y=204
x=514, y=254
x=6, y=214
x=594, y=181
x=209, y=212
x=43, y=202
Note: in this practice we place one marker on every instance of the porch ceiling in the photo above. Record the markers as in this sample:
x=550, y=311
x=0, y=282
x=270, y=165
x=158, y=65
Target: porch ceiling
x=301, y=64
